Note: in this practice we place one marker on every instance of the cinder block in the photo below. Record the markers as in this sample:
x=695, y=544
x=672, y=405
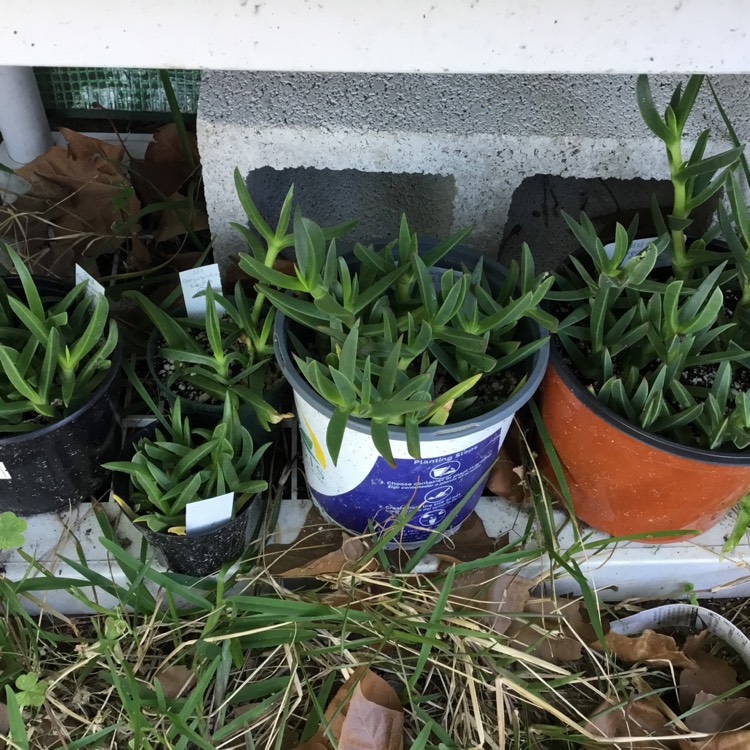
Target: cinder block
x=458, y=146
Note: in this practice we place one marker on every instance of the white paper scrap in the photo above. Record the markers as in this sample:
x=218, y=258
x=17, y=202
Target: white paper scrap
x=193, y=282
x=93, y=288
x=205, y=515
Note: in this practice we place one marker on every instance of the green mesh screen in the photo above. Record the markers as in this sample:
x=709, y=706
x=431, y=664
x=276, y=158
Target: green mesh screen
x=102, y=91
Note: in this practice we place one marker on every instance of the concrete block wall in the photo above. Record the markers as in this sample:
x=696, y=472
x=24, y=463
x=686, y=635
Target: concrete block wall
x=450, y=150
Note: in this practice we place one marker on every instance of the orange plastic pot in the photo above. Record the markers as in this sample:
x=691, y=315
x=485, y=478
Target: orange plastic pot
x=624, y=480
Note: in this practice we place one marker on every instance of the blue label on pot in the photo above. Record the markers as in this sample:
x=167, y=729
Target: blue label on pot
x=361, y=487
x=428, y=488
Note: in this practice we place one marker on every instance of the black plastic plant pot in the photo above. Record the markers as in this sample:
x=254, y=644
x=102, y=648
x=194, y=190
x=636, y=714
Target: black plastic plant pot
x=58, y=466
x=279, y=397
x=195, y=554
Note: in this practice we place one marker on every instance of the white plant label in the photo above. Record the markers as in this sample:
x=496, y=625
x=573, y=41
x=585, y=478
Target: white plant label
x=4, y=473
x=93, y=288
x=637, y=247
x=205, y=515
x=195, y=281
x=686, y=615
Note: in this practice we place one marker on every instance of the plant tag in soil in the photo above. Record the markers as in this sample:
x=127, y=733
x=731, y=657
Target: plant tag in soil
x=194, y=281
x=205, y=515
x=93, y=288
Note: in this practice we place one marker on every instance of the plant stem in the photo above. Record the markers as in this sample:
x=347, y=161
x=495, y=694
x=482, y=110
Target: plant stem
x=274, y=248
x=678, y=252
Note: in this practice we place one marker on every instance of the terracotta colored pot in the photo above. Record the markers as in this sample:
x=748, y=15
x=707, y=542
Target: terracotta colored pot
x=624, y=480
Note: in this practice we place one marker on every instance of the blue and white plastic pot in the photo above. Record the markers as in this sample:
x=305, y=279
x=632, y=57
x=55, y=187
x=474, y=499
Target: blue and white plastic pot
x=363, y=489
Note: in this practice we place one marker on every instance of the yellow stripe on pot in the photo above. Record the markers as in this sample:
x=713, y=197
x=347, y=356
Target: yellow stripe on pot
x=316, y=445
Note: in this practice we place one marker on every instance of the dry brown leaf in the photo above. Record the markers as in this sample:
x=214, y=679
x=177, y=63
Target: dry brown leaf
x=490, y=592
x=175, y=681
x=365, y=714
x=710, y=675
x=648, y=646
x=728, y=741
x=165, y=167
x=78, y=204
x=507, y=478
x=347, y=557
x=174, y=223
x=470, y=542
x=374, y=719
x=552, y=636
x=640, y=718
x=4, y=723
x=139, y=256
x=722, y=716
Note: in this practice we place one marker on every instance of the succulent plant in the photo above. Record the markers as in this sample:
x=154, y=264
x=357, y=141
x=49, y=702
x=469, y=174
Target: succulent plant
x=398, y=340
x=181, y=464
x=233, y=358
x=666, y=348
x=53, y=353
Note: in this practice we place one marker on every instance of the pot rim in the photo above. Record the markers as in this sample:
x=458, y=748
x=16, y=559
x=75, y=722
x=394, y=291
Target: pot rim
x=114, y=370
x=536, y=366
x=658, y=442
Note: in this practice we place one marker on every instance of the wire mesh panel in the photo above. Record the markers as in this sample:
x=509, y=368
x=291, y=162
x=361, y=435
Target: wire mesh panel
x=137, y=91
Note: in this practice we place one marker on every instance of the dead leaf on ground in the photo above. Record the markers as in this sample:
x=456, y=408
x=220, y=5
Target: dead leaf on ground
x=175, y=681
x=345, y=558
x=639, y=718
x=488, y=592
x=470, y=542
x=79, y=205
x=722, y=716
x=165, y=167
x=175, y=222
x=4, y=723
x=728, y=741
x=365, y=714
x=710, y=675
x=646, y=647
x=508, y=474
x=557, y=634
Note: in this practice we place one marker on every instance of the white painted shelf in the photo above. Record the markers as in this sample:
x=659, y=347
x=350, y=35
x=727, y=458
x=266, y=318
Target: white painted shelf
x=428, y=36
x=623, y=571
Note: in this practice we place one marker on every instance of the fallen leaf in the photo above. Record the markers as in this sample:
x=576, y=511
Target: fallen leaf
x=80, y=204
x=507, y=478
x=710, y=675
x=346, y=557
x=488, y=592
x=646, y=647
x=470, y=542
x=175, y=681
x=165, y=167
x=374, y=719
x=175, y=222
x=639, y=718
x=557, y=634
x=728, y=741
x=724, y=715
x=365, y=714
x=139, y=256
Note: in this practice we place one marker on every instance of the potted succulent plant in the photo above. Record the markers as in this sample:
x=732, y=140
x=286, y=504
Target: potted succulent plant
x=199, y=360
x=231, y=349
x=59, y=363
x=407, y=368
x=164, y=470
x=646, y=397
